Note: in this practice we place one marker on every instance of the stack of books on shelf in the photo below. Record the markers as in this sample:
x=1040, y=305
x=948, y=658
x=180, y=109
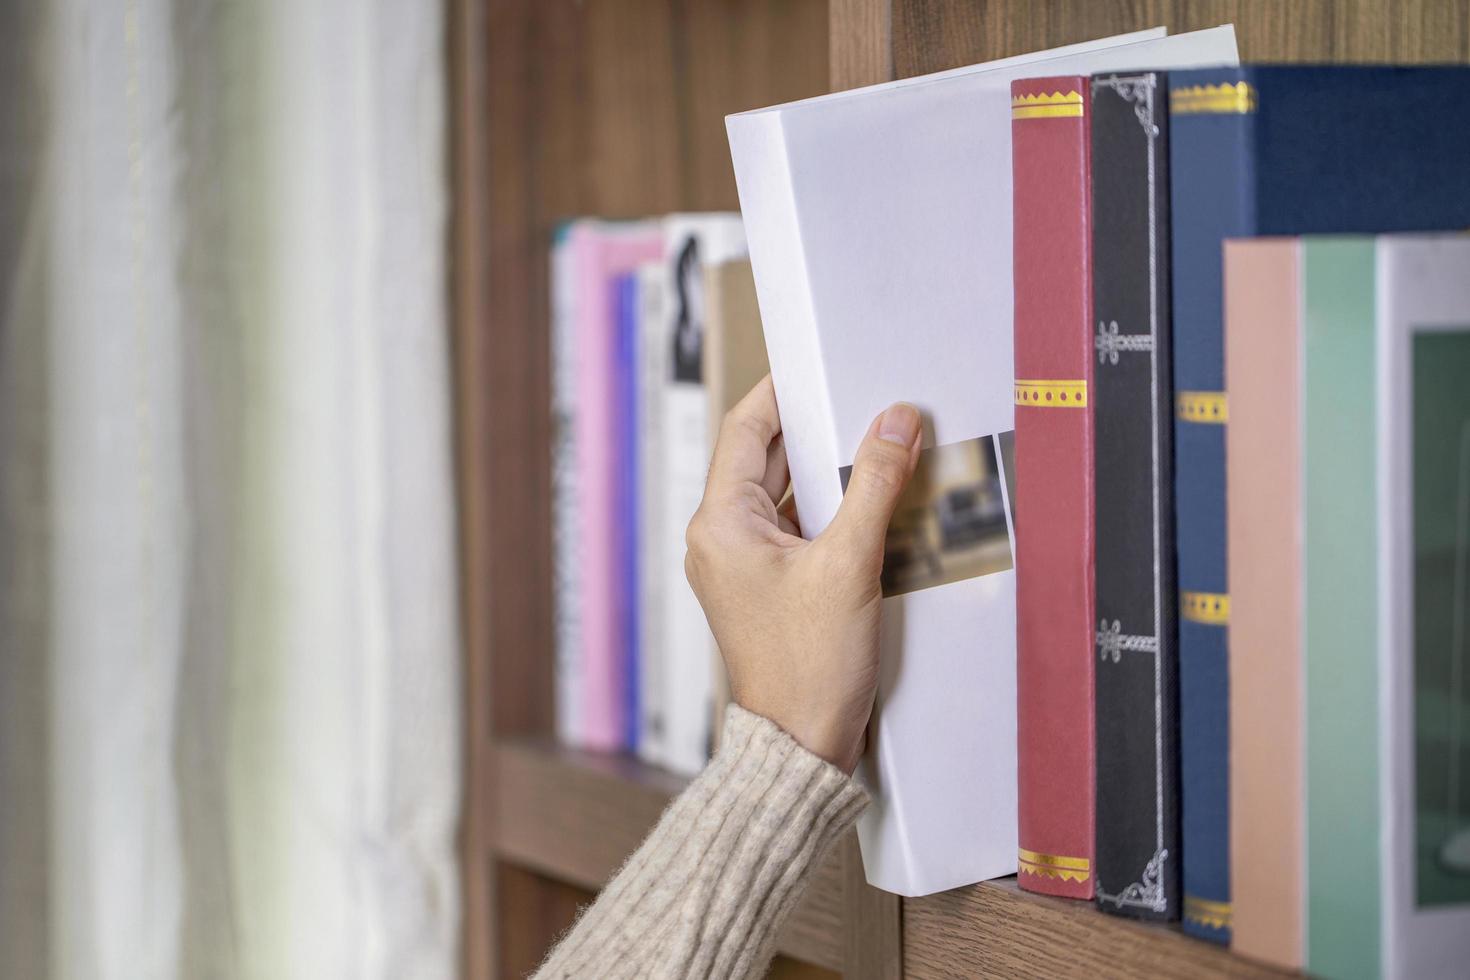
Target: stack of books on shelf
x=655, y=336
x=1274, y=657
x=1177, y=612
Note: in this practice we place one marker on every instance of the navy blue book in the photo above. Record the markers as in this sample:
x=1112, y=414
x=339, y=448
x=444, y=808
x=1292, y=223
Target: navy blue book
x=625, y=486
x=1271, y=150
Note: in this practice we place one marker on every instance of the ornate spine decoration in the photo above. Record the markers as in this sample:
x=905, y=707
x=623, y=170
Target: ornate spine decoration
x=1224, y=99
x=1042, y=106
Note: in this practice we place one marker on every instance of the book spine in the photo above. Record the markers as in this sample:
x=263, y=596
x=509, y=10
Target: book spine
x=1137, y=702
x=610, y=251
x=1339, y=482
x=566, y=514
x=602, y=726
x=1053, y=338
x=1263, y=362
x=1211, y=116
x=625, y=380
x=654, y=569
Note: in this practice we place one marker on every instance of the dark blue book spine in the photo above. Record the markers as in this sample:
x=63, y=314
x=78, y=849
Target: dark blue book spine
x=1211, y=164
x=625, y=388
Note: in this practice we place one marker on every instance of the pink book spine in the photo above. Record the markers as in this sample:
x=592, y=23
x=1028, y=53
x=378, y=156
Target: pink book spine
x=603, y=254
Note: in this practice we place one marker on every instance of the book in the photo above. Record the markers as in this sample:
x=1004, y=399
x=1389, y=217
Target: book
x=734, y=362
x=879, y=222
x=1385, y=507
x=1271, y=150
x=566, y=525
x=1137, y=703
x=626, y=491
x=601, y=251
x=692, y=242
x=653, y=300
x=1054, y=485
x=1263, y=340
x=1421, y=360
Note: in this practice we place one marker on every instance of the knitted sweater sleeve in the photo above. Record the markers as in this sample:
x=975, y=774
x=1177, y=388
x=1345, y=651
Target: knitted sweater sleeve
x=707, y=892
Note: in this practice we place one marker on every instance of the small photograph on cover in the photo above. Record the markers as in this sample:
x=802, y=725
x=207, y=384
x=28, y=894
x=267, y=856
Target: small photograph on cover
x=951, y=522
x=1441, y=503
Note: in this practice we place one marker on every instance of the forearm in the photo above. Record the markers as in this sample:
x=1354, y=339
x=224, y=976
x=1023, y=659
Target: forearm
x=706, y=893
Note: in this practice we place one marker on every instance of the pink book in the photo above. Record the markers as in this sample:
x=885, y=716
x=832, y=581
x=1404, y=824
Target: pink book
x=602, y=251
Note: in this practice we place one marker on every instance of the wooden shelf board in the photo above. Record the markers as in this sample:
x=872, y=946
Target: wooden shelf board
x=997, y=929
x=576, y=816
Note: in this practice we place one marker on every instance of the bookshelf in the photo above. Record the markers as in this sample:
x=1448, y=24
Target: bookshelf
x=615, y=108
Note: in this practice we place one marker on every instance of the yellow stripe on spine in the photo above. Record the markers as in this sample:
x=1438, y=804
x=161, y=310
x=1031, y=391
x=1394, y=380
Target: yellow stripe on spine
x=1210, y=608
x=1052, y=394
x=1208, y=407
x=1054, y=865
x=1042, y=106
x=1054, y=860
x=1216, y=915
x=1225, y=99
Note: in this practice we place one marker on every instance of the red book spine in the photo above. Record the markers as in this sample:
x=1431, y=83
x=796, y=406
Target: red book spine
x=1054, y=500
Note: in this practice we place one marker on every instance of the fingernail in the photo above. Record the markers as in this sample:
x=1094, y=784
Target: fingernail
x=900, y=424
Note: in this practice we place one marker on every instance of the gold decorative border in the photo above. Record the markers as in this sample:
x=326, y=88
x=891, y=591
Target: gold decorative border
x=1210, y=608
x=1205, y=407
x=1052, y=393
x=1216, y=915
x=1042, y=106
x=1054, y=865
x=1225, y=99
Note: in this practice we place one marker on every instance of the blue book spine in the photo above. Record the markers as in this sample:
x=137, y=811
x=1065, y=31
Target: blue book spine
x=1211, y=164
x=625, y=388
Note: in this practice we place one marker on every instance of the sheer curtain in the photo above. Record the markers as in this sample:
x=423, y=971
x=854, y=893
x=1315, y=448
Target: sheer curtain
x=229, y=708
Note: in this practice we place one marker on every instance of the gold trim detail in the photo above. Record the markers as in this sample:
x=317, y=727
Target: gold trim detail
x=1052, y=394
x=1042, y=106
x=1225, y=99
x=1210, y=608
x=1206, y=407
x=1054, y=865
x=1216, y=915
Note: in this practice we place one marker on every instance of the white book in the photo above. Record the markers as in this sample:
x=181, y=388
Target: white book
x=1422, y=362
x=565, y=514
x=879, y=223
x=654, y=288
x=692, y=241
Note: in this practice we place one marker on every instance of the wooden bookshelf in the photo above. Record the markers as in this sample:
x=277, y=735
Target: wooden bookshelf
x=615, y=107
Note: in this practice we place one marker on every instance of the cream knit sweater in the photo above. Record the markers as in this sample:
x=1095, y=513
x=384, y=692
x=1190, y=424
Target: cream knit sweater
x=707, y=892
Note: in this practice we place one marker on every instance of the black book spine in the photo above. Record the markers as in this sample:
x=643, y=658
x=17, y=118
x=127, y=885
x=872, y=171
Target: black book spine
x=1137, y=706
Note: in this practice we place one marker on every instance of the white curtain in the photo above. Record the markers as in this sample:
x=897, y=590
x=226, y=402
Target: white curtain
x=229, y=699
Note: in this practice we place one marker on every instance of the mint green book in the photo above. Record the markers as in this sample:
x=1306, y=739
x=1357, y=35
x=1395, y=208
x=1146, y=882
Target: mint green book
x=1386, y=514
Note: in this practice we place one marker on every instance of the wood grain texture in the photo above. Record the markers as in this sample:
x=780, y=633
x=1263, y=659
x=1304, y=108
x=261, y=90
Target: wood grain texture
x=537, y=910
x=465, y=45
x=860, y=43
x=998, y=930
x=576, y=816
x=932, y=35
x=872, y=927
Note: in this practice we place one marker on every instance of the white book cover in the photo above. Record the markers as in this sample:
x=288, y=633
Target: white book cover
x=654, y=288
x=1423, y=466
x=692, y=241
x=565, y=524
x=879, y=224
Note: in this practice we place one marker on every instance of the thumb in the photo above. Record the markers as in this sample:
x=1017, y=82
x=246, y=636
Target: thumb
x=884, y=463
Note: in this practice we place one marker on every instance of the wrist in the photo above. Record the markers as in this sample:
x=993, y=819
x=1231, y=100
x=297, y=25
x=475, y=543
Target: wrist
x=824, y=739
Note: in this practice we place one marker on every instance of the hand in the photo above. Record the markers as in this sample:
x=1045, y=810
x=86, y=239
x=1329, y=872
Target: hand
x=797, y=621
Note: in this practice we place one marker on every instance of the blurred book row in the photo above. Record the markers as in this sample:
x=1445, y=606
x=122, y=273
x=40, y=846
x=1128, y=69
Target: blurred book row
x=655, y=336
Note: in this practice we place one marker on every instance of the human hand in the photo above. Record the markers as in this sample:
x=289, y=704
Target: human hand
x=796, y=620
